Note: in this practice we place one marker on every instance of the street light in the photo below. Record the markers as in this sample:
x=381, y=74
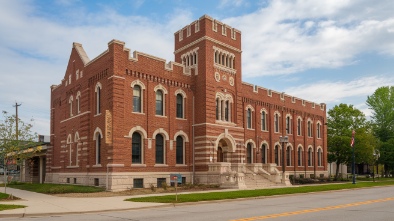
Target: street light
x=284, y=140
x=354, y=158
x=376, y=155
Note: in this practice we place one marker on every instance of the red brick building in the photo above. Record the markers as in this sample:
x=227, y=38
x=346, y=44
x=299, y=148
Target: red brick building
x=125, y=120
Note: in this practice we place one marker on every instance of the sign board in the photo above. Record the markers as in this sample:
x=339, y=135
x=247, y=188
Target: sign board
x=176, y=177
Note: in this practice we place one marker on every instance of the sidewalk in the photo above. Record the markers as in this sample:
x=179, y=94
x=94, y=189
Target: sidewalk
x=44, y=205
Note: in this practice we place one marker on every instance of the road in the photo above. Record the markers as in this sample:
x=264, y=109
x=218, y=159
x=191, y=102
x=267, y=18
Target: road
x=361, y=204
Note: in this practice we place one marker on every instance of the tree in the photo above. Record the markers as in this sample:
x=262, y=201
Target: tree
x=342, y=120
x=15, y=140
x=381, y=102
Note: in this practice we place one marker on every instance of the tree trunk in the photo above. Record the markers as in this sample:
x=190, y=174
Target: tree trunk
x=337, y=170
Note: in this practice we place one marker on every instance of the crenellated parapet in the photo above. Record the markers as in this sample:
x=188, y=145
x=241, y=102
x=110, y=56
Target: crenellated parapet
x=266, y=95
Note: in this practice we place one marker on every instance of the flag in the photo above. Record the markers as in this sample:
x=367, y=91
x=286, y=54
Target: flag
x=352, y=142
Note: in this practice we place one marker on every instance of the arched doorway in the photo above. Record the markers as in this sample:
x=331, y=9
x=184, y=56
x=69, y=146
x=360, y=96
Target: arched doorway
x=220, y=157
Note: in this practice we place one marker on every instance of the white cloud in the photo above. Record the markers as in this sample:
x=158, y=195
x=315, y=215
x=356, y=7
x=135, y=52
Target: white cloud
x=334, y=92
x=292, y=36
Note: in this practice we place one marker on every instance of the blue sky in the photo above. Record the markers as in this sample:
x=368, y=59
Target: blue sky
x=334, y=51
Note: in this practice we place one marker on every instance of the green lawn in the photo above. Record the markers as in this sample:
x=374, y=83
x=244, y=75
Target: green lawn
x=195, y=197
x=49, y=188
x=7, y=207
x=3, y=196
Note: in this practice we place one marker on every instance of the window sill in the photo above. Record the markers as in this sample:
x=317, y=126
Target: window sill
x=138, y=165
x=96, y=115
x=142, y=113
x=97, y=166
x=161, y=116
x=181, y=118
x=180, y=165
x=160, y=165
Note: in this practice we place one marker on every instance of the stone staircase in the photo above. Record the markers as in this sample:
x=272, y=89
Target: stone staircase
x=258, y=181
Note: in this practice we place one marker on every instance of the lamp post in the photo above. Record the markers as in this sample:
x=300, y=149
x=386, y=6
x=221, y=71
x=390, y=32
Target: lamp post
x=354, y=158
x=284, y=140
x=376, y=155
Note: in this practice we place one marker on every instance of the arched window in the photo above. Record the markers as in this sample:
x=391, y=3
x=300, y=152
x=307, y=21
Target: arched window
x=288, y=125
x=276, y=122
x=249, y=118
x=263, y=153
x=309, y=129
x=318, y=130
x=137, y=99
x=277, y=155
x=179, y=106
x=249, y=153
x=299, y=156
x=310, y=157
x=288, y=156
x=136, y=148
x=70, y=101
x=299, y=127
x=159, y=103
x=159, y=149
x=98, y=99
x=319, y=157
x=78, y=103
x=263, y=121
x=98, y=148
x=217, y=108
x=226, y=110
x=179, y=150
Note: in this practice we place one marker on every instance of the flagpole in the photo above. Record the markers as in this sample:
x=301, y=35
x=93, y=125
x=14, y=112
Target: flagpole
x=354, y=159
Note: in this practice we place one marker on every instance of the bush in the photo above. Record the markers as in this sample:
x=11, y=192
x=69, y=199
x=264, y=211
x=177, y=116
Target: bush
x=164, y=185
x=152, y=187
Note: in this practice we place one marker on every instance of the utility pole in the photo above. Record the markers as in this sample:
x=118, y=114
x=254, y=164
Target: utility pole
x=17, y=119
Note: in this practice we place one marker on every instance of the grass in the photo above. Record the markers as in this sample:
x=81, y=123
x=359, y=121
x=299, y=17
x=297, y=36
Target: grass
x=48, y=188
x=7, y=207
x=3, y=196
x=195, y=197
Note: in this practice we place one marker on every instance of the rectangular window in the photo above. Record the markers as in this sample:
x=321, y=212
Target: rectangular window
x=263, y=122
x=161, y=181
x=138, y=183
x=96, y=182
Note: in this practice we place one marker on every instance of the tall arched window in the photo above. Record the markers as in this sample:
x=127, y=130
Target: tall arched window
x=159, y=103
x=137, y=99
x=310, y=157
x=319, y=157
x=288, y=125
x=276, y=122
x=249, y=153
x=263, y=153
x=179, y=106
x=179, y=150
x=226, y=110
x=318, y=130
x=277, y=155
x=288, y=156
x=98, y=99
x=70, y=101
x=78, y=99
x=98, y=148
x=136, y=148
x=217, y=108
x=309, y=129
x=299, y=156
x=159, y=149
x=299, y=127
x=249, y=118
x=263, y=121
